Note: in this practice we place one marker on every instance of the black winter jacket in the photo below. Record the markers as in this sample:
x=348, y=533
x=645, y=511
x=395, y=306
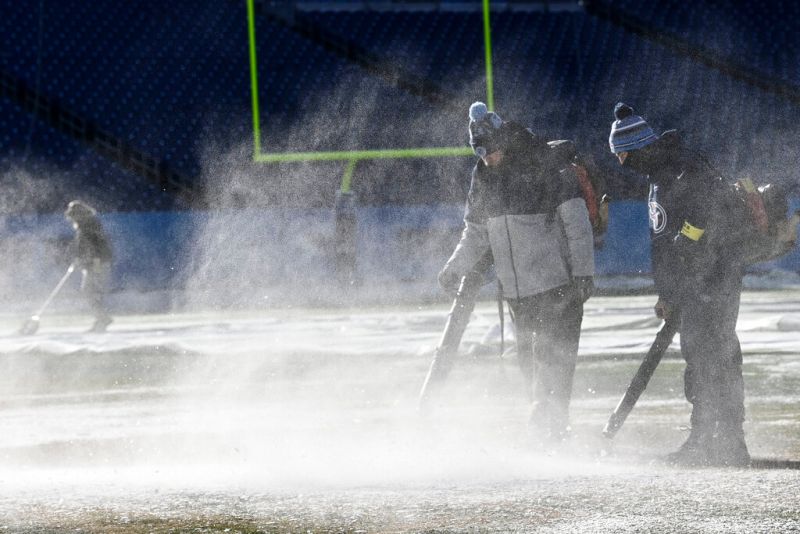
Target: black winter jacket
x=91, y=241
x=693, y=224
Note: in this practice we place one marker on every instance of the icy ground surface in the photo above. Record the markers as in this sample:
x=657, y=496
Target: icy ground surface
x=302, y=419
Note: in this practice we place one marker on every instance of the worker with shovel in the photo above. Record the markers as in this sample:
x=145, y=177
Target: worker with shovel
x=92, y=256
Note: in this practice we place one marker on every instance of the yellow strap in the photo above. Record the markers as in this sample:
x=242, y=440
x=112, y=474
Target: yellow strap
x=692, y=232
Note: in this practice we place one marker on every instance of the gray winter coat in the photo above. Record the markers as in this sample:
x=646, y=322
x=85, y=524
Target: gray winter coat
x=529, y=212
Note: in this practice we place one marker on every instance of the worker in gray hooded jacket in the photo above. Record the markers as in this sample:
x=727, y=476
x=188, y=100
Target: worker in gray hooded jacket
x=525, y=206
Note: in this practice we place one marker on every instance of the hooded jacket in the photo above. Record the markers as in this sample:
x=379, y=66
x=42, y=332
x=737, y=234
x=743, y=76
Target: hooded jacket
x=529, y=212
x=693, y=221
x=91, y=241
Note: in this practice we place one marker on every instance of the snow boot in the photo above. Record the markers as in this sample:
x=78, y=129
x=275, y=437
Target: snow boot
x=730, y=449
x=539, y=427
x=545, y=432
x=696, y=451
x=552, y=390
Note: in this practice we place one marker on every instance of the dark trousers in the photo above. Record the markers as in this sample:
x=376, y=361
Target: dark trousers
x=548, y=328
x=713, y=378
x=95, y=284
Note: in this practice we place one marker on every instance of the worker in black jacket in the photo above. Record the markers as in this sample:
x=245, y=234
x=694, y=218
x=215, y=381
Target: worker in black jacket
x=92, y=255
x=698, y=267
x=527, y=210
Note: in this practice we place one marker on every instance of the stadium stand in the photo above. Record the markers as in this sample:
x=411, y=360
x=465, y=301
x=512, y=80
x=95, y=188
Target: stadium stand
x=759, y=34
x=171, y=79
x=42, y=169
x=562, y=72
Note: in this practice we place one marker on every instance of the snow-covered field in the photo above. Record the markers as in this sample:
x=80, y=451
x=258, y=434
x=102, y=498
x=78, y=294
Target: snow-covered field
x=305, y=420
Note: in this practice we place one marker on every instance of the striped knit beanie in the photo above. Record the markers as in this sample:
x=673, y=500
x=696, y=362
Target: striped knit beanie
x=629, y=131
x=483, y=129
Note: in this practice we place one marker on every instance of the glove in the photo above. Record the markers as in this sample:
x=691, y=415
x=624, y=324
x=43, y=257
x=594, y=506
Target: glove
x=449, y=280
x=663, y=309
x=684, y=248
x=585, y=287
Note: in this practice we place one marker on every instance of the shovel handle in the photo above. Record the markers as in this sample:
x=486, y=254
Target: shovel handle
x=642, y=377
x=55, y=290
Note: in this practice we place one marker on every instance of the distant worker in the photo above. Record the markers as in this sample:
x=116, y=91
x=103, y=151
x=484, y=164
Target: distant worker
x=698, y=269
x=527, y=210
x=92, y=255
